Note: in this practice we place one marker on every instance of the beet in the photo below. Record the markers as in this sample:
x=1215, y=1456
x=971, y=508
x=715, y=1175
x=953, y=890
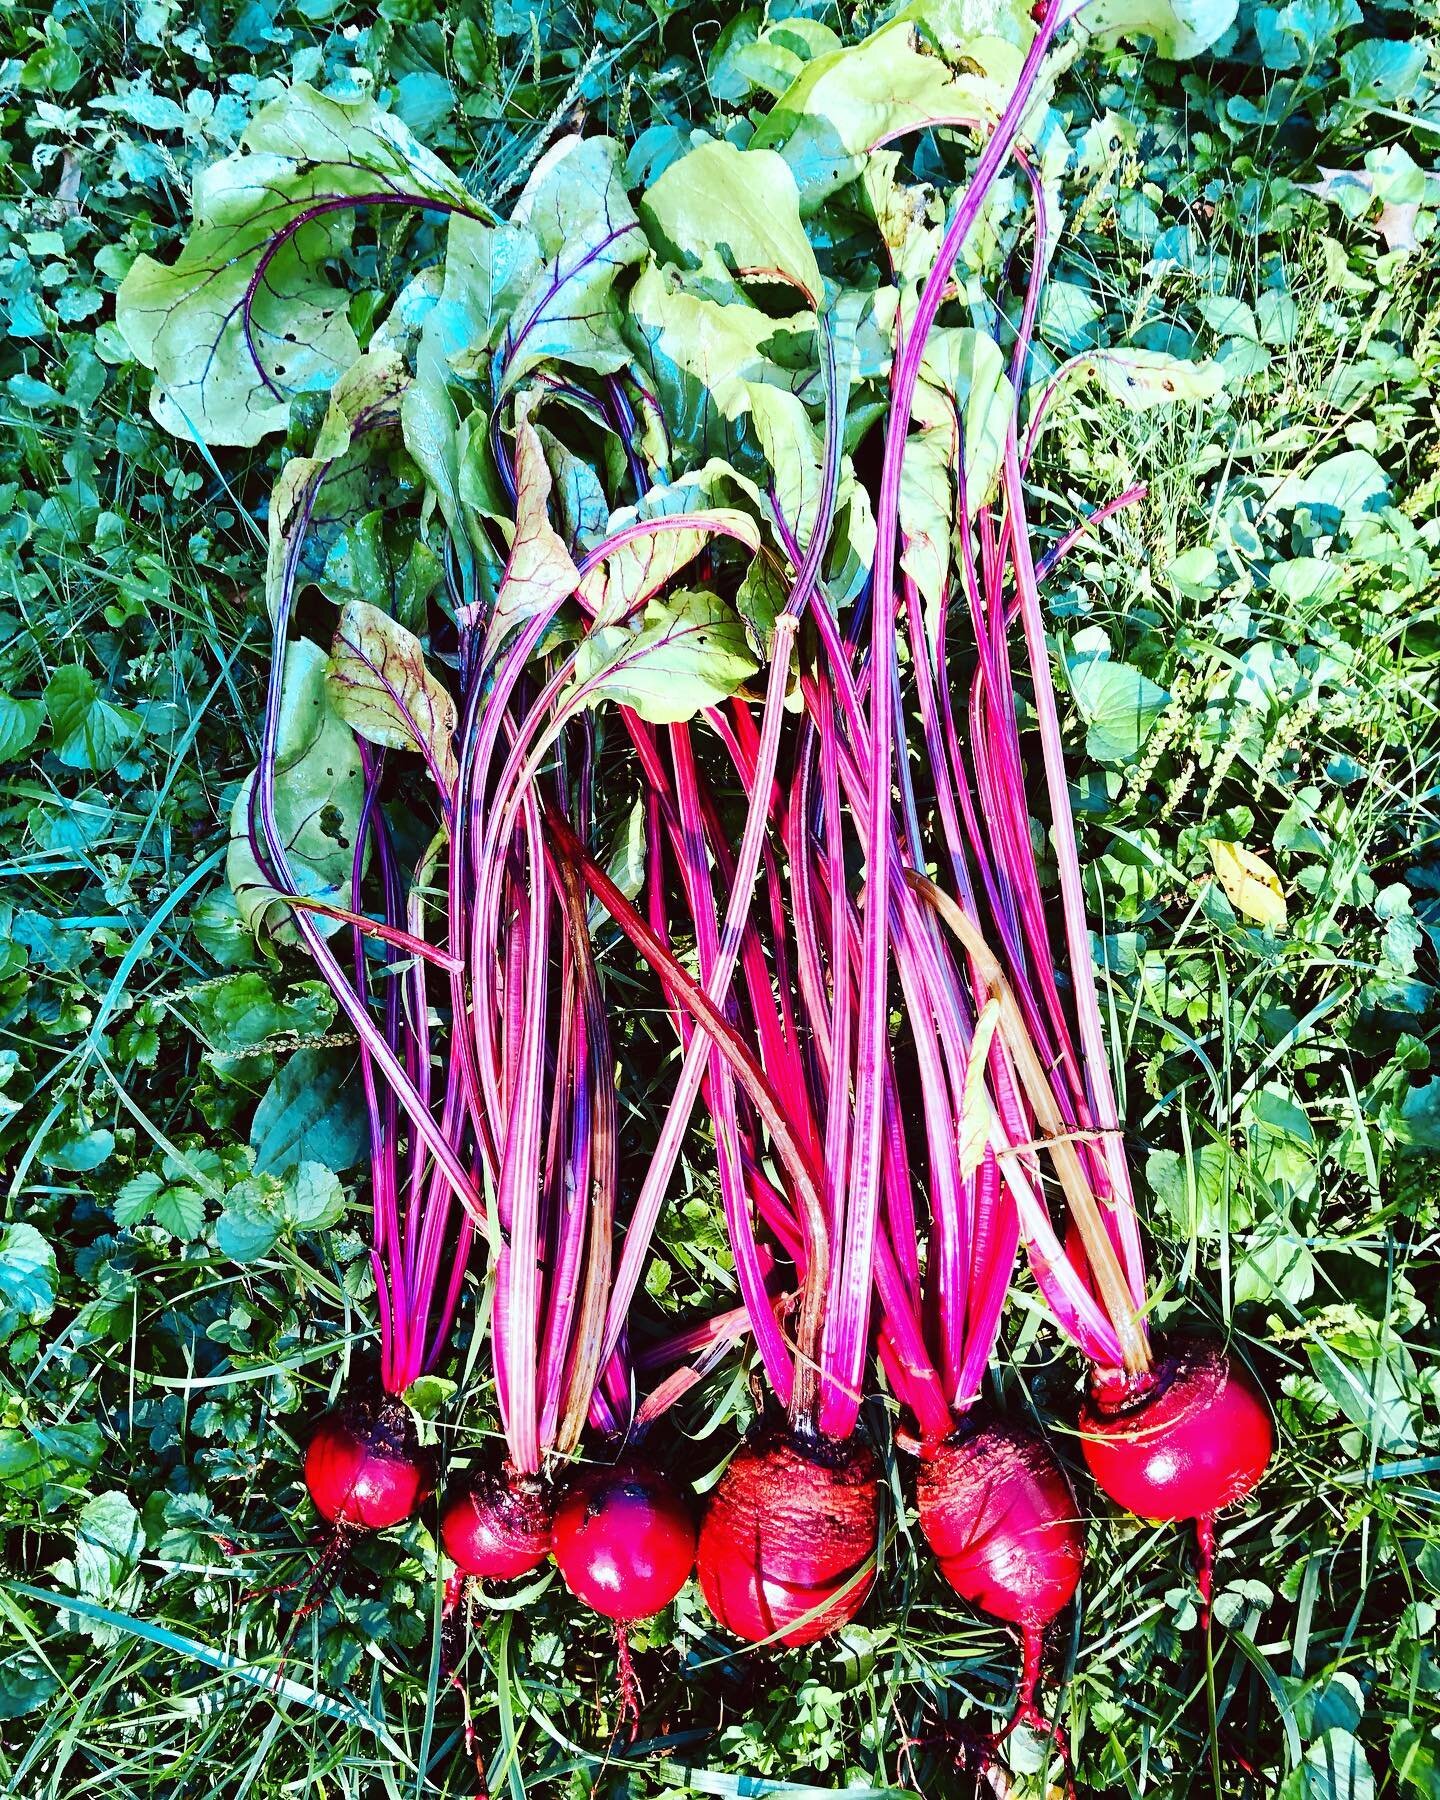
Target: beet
x=789, y=1532
x=497, y=1526
x=624, y=1539
x=1197, y=1441
x=999, y=1513
x=364, y=1466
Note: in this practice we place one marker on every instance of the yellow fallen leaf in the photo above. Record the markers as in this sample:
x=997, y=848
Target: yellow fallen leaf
x=1251, y=886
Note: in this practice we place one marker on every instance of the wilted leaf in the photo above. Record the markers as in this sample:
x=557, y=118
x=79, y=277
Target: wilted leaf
x=976, y=1114
x=644, y=564
x=1142, y=379
x=382, y=687
x=1251, y=886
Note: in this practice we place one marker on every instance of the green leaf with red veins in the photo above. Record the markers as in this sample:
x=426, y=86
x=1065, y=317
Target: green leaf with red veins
x=381, y=686
x=742, y=204
x=539, y=571
x=690, y=652
x=580, y=219
x=187, y=320
x=643, y=565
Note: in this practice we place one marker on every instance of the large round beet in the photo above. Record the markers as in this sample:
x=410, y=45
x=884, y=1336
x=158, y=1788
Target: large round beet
x=788, y=1545
x=999, y=1514
x=624, y=1539
x=497, y=1526
x=1197, y=1441
x=364, y=1466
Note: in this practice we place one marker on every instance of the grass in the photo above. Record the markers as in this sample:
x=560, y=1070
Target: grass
x=153, y=1392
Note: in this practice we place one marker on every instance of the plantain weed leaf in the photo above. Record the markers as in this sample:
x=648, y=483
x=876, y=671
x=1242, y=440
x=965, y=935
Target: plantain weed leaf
x=689, y=652
x=247, y=316
x=319, y=785
x=1118, y=704
x=741, y=203
x=309, y=1113
x=381, y=687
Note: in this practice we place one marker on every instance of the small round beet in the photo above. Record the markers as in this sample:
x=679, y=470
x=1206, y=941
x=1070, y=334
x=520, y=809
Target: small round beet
x=497, y=1526
x=1198, y=1440
x=788, y=1545
x=624, y=1539
x=999, y=1514
x=364, y=1466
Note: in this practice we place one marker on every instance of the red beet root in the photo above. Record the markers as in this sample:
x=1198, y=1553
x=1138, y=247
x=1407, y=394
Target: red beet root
x=786, y=1540
x=999, y=1514
x=1199, y=1440
x=624, y=1540
x=497, y=1527
x=364, y=1466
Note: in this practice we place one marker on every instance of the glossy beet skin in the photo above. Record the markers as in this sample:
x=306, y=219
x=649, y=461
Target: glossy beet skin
x=624, y=1540
x=364, y=1466
x=788, y=1533
x=497, y=1526
x=1001, y=1518
x=1198, y=1441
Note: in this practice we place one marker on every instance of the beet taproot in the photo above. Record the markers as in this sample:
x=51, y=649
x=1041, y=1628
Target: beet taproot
x=1196, y=1441
x=497, y=1526
x=364, y=1467
x=624, y=1539
x=787, y=1549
